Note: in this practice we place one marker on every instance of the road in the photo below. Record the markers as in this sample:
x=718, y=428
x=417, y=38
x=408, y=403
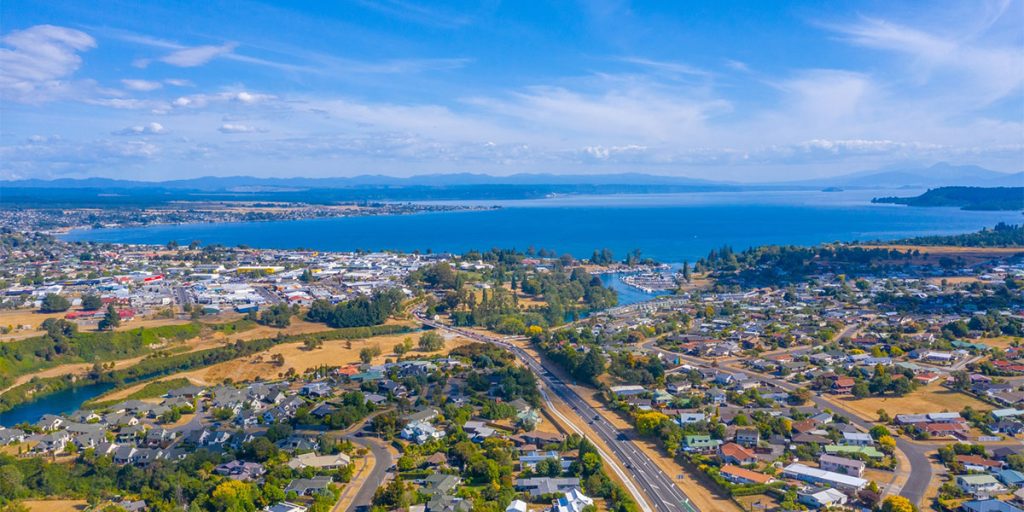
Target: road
x=382, y=461
x=920, y=466
x=659, y=489
x=269, y=296
x=184, y=299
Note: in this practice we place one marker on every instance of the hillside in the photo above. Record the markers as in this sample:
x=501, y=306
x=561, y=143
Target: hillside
x=966, y=198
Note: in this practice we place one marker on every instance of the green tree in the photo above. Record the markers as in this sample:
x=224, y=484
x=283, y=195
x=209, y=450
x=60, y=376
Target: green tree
x=53, y=303
x=860, y=389
x=111, y=320
x=278, y=315
x=91, y=302
x=431, y=341
x=11, y=486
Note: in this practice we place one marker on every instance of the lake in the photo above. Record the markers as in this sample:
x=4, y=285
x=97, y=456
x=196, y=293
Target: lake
x=64, y=401
x=667, y=227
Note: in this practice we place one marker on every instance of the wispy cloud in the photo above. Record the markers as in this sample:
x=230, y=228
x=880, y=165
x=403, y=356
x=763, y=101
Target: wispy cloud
x=197, y=56
x=417, y=13
x=991, y=69
x=141, y=85
x=238, y=128
x=673, y=68
x=35, y=62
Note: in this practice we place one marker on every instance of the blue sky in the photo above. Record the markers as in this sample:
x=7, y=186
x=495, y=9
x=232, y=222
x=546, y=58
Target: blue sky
x=747, y=91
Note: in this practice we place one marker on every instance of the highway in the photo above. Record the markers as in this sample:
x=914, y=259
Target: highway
x=920, y=466
x=661, y=493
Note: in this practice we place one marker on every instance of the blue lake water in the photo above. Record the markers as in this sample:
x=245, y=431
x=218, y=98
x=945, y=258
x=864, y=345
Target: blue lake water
x=65, y=401
x=667, y=227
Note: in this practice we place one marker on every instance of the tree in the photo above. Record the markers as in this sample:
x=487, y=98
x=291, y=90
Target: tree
x=431, y=341
x=860, y=389
x=593, y=366
x=647, y=422
x=278, y=315
x=549, y=467
x=800, y=395
x=10, y=482
x=233, y=496
x=897, y=504
x=366, y=355
x=887, y=443
x=91, y=302
x=111, y=320
x=53, y=303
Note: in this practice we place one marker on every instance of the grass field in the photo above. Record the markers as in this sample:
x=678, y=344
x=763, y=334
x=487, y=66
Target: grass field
x=970, y=255
x=332, y=353
x=1002, y=342
x=55, y=505
x=930, y=398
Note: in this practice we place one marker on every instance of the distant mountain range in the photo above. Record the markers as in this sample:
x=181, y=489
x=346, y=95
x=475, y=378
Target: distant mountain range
x=937, y=175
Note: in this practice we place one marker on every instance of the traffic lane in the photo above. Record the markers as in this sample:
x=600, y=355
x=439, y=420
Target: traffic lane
x=662, y=491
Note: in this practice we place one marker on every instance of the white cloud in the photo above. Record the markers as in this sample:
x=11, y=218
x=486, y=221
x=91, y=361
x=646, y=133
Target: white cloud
x=141, y=85
x=198, y=55
x=177, y=82
x=147, y=129
x=36, y=61
x=237, y=128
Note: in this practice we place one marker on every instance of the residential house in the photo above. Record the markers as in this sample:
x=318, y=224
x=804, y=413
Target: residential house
x=308, y=486
x=842, y=465
x=733, y=453
x=738, y=475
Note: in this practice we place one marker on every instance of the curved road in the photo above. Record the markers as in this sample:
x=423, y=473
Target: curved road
x=382, y=461
x=658, y=487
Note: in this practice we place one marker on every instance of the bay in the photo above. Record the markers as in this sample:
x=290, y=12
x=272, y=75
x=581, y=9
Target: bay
x=667, y=227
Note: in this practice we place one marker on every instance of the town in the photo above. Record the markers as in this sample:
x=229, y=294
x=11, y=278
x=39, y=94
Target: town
x=886, y=377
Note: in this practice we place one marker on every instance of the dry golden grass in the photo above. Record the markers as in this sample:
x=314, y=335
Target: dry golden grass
x=970, y=255
x=35, y=319
x=1002, y=342
x=55, y=505
x=930, y=398
x=332, y=353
